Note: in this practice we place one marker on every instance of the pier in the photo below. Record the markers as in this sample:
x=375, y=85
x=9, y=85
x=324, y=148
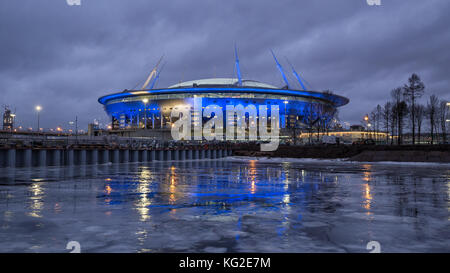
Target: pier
x=41, y=151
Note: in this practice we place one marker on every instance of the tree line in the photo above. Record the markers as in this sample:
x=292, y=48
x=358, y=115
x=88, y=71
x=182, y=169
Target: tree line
x=404, y=111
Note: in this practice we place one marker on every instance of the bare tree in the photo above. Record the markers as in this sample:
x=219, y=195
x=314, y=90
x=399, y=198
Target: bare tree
x=375, y=117
x=420, y=113
x=386, y=113
x=379, y=116
x=431, y=111
x=393, y=124
x=442, y=119
x=328, y=112
x=309, y=118
x=412, y=92
x=400, y=110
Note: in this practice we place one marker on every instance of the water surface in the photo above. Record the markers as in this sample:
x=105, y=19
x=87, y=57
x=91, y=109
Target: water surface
x=227, y=205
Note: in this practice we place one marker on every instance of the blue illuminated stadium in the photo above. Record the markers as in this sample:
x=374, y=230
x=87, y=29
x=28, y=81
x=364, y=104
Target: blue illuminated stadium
x=151, y=108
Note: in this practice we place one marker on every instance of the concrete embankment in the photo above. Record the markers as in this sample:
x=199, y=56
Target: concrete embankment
x=406, y=153
x=53, y=150
x=59, y=156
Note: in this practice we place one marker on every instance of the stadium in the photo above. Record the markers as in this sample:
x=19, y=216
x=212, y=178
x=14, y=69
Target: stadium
x=148, y=108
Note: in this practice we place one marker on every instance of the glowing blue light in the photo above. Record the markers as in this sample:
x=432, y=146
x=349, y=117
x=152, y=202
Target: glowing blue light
x=238, y=69
x=338, y=100
x=281, y=69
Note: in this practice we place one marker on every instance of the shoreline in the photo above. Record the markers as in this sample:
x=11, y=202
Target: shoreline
x=378, y=153
x=332, y=161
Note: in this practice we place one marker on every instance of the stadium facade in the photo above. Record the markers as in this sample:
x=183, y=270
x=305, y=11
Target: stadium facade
x=151, y=108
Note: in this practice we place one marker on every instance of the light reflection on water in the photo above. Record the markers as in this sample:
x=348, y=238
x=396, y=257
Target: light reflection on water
x=225, y=205
x=36, y=201
x=143, y=201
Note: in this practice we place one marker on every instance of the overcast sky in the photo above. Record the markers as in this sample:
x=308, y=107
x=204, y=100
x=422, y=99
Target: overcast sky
x=64, y=57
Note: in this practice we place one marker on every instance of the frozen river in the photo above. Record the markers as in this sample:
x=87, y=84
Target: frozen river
x=227, y=205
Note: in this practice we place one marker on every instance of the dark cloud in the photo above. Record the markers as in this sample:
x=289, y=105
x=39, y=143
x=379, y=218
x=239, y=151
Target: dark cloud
x=65, y=57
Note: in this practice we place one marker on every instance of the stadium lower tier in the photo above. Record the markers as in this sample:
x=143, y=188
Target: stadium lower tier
x=156, y=114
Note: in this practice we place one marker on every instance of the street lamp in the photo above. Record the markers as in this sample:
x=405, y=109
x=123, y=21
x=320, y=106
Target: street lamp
x=285, y=114
x=71, y=123
x=38, y=110
x=366, y=120
x=145, y=101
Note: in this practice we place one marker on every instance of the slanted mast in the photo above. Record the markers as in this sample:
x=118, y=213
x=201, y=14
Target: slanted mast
x=281, y=69
x=238, y=68
x=296, y=75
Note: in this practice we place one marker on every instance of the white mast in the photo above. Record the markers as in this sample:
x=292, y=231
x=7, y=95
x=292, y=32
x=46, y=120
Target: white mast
x=152, y=74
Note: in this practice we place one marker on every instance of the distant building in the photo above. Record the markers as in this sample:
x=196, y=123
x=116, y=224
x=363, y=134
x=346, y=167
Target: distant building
x=93, y=129
x=348, y=136
x=8, y=120
x=357, y=128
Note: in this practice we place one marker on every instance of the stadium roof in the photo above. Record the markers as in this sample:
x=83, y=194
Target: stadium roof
x=222, y=82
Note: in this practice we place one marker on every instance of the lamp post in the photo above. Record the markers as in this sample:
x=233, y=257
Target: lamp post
x=76, y=129
x=366, y=119
x=285, y=114
x=38, y=110
x=71, y=123
x=145, y=101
